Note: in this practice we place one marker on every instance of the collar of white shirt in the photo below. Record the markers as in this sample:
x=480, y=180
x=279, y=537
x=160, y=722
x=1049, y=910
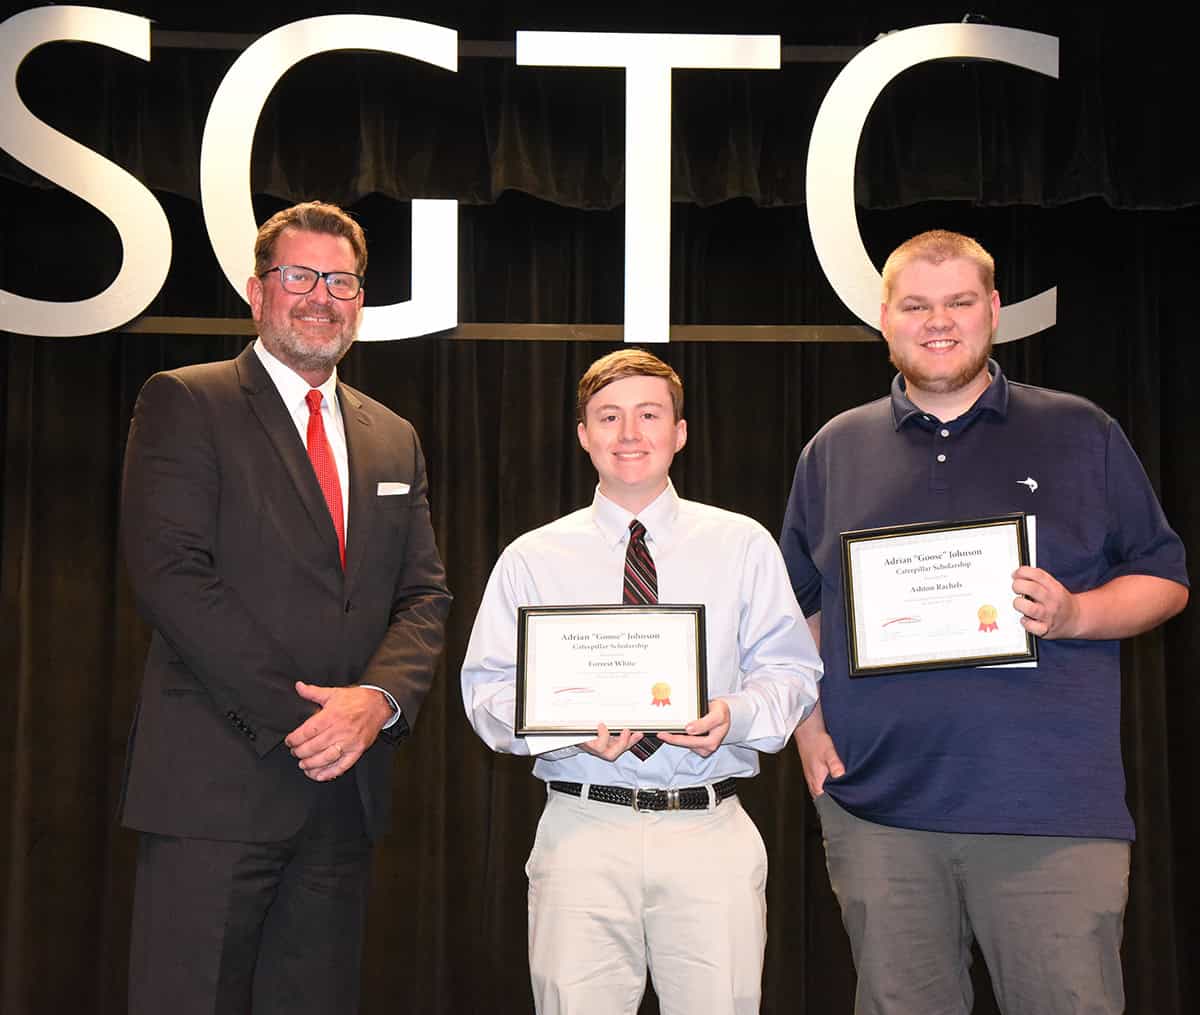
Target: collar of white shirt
x=293, y=388
x=658, y=516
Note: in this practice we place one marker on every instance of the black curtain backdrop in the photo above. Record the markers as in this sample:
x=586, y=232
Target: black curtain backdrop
x=1075, y=184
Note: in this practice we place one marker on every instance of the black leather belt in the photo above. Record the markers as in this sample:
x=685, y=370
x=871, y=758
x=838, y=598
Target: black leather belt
x=690, y=798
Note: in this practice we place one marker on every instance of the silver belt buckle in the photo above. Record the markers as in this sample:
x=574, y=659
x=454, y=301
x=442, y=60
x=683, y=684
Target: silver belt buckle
x=672, y=799
x=635, y=799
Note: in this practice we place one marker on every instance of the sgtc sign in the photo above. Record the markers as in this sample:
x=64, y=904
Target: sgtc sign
x=647, y=60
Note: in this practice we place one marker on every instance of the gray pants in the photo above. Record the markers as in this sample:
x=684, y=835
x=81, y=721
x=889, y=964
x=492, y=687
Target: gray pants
x=1047, y=912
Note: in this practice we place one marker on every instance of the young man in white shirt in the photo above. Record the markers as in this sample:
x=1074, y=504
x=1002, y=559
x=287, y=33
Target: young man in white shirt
x=649, y=862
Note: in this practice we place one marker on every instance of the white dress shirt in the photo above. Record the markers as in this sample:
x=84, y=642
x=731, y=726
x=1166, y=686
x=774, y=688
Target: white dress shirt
x=294, y=389
x=761, y=657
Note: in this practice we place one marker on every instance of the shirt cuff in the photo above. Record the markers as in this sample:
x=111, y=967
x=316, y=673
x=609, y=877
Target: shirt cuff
x=741, y=717
x=391, y=701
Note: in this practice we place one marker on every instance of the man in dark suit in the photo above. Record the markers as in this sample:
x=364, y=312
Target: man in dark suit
x=277, y=534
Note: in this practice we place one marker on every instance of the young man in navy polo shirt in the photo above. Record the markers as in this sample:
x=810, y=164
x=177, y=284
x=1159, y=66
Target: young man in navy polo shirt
x=979, y=803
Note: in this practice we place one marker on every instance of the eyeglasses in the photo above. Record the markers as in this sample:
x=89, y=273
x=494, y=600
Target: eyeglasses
x=299, y=280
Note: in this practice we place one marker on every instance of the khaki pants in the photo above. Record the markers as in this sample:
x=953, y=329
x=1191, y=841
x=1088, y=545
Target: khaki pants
x=615, y=892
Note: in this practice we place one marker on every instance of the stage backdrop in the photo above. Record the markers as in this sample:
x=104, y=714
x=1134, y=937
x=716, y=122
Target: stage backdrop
x=1078, y=184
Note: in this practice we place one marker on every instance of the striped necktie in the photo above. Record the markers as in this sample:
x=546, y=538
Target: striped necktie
x=641, y=587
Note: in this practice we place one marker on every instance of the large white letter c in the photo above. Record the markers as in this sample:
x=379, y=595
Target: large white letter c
x=833, y=150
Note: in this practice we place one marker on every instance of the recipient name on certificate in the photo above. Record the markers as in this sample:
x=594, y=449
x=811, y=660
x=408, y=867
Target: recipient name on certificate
x=629, y=667
x=934, y=596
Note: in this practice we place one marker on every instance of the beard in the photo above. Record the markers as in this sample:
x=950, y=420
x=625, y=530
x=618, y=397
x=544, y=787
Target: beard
x=941, y=384
x=302, y=351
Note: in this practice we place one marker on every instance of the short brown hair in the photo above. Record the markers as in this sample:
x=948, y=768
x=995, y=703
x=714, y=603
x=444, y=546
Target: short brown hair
x=310, y=217
x=624, y=363
x=936, y=246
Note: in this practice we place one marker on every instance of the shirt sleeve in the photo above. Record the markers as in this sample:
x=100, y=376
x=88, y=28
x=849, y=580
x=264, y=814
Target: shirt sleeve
x=489, y=673
x=396, y=713
x=1140, y=541
x=794, y=542
x=779, y=662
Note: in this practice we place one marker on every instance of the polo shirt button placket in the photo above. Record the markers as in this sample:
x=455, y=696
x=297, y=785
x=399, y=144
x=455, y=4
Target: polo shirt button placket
x=938, y=479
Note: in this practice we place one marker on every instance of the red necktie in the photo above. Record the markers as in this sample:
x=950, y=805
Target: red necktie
x=321, y=455
x=641, y=587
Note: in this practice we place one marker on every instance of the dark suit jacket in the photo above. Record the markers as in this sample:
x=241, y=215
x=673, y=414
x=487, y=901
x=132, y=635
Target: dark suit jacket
x=234, y=562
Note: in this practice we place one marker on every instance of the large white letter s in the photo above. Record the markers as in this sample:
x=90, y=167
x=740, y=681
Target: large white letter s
x=141, y=224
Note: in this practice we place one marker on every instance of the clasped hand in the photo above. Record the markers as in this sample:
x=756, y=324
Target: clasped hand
x=329, y=742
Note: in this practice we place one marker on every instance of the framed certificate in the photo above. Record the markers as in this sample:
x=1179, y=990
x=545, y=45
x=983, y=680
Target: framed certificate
x=935, y=596
x=629, y=667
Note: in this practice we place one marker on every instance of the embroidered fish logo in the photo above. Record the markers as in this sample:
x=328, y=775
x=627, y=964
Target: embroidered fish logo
x=1030, y=482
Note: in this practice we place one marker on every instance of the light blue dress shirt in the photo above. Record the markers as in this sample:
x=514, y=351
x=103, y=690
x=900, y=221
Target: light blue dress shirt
x=761, y=657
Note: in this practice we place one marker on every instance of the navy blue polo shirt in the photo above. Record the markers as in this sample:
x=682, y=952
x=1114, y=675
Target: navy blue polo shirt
x=1008, y=750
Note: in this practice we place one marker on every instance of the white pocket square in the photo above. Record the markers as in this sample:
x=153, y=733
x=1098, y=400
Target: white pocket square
x=391, y=489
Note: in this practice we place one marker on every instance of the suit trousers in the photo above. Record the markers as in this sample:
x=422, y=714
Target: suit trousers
x=237, y=928
x=1047, y=912
x=614, y=893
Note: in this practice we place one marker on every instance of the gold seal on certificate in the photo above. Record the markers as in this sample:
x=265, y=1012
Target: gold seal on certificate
x=629, y=667
x=935, y=596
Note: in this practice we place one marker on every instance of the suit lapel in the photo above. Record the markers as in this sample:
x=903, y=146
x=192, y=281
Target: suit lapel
x=360, y=450
x=268, y=406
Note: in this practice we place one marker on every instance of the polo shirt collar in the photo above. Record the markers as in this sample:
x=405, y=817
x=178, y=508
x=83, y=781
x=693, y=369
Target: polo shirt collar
x=658, y=516
x=994, y=399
